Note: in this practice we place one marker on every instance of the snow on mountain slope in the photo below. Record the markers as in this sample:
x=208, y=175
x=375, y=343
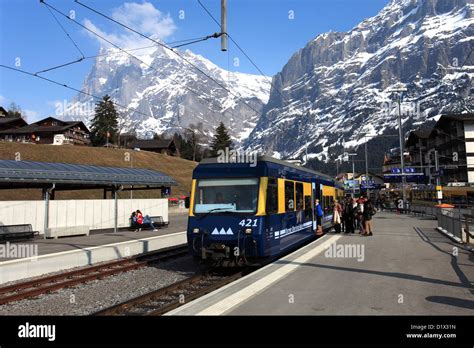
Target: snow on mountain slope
x=336, y=89
x=170, y=95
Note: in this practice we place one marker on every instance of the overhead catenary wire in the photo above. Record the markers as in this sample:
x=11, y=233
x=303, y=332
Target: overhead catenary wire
x=200, y=97
x=197, y=39
x=168, y=48
x=64, y=30
x=70, y=38
x=284, y=99
x=241, y=49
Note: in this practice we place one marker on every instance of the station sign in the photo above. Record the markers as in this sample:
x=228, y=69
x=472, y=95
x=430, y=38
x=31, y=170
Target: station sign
x=407, y=170
x=368, y=184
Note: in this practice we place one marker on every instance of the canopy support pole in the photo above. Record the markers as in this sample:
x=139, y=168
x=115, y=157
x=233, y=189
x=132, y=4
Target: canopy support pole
x=47, y=192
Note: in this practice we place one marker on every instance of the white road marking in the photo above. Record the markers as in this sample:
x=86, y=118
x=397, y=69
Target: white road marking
x=246, y=293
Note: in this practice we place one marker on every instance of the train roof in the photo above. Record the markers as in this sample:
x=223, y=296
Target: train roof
x=213, y=160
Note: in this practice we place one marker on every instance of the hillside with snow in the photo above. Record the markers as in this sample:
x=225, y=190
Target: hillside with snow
x=337, y=88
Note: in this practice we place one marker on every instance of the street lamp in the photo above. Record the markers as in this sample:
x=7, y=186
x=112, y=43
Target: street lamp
x=400, y=89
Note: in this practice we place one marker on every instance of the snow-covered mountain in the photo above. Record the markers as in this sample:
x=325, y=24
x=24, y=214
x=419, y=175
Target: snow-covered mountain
x=336, y=88
x=171, y=94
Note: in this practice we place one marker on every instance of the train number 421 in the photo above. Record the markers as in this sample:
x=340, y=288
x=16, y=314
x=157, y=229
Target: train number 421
x=248, y=223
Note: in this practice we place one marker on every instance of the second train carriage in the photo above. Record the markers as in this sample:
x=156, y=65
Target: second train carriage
x=240, y=213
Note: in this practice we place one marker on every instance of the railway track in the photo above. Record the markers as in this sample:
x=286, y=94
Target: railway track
x=36, y=287
x=163, y=300
x=170, y=297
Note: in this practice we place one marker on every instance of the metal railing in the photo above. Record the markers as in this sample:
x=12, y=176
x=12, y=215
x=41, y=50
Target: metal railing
x=450, y=224
x=457, y=221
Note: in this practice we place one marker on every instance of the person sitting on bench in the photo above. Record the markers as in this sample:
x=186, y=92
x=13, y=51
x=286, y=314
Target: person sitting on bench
x=145, y=220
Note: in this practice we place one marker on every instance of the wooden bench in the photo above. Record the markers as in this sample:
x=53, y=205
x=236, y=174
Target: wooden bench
x=17, y=232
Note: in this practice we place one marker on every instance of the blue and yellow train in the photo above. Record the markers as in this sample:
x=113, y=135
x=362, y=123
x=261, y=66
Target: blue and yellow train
x=242, y=213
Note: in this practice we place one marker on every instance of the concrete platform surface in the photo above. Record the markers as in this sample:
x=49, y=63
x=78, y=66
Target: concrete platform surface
x=52, y=255
x=406, y=268
x=178, y=223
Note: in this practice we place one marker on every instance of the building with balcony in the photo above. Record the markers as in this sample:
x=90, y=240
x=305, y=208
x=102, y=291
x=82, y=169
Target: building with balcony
x=452, y=137
x=49, y=131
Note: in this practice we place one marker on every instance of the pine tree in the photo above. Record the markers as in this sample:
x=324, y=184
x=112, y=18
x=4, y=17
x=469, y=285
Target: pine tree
x=104, y=128
x=221, y=140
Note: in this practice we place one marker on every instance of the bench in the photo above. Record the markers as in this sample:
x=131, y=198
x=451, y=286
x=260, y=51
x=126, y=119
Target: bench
x=158, y=221
x=17, y=232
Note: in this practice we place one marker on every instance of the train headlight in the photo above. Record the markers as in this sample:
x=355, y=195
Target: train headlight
x=196, y=230
x=248, y=231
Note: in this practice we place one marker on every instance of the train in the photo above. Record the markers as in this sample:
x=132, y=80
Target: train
x=457, y=195
x=246, y=213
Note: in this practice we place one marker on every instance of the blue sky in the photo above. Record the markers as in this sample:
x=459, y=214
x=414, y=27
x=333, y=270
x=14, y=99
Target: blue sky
x=263, y=28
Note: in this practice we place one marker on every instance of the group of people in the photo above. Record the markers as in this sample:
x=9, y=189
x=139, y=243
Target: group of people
x=351, y=214
x=139, y=221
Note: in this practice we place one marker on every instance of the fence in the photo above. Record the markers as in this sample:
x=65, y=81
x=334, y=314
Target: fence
x=458, y=221
x=97, y=214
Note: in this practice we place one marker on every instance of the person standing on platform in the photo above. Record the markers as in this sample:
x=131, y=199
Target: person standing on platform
x=369, y=211
x=336, y=218
x=349, y=216
x=319, y=218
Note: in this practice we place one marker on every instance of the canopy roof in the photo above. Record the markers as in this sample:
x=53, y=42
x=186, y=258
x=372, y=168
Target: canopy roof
x=40, y=174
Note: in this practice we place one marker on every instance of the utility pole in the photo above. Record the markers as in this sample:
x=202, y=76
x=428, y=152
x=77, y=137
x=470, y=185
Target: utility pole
x=223, y=25
x=400, y=89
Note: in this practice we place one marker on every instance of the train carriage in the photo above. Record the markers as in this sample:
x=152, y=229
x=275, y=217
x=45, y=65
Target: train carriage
x=241, y=213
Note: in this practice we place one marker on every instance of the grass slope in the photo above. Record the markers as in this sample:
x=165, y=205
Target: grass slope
x=178, y=168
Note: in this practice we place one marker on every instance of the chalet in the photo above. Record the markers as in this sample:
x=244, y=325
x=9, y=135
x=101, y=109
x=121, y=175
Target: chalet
x=11, y=122
x=3, y=113
x=49, y=131
x=164, y=146
x=125, y=139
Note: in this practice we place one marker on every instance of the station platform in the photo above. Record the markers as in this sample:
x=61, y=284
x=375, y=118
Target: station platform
x=54, y=255
x=406, y=268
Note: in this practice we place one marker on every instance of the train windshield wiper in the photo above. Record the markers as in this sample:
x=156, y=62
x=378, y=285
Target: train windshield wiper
x=216, y=209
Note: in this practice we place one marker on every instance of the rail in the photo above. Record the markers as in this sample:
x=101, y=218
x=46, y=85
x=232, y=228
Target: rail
x=457, y=222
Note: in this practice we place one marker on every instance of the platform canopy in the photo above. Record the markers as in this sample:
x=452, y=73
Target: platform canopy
x=28, y=174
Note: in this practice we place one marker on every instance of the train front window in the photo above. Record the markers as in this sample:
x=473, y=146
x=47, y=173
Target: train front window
x=226, y=195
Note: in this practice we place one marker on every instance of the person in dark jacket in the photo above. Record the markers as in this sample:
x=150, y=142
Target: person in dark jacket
x=369, y=211
x=349, y=216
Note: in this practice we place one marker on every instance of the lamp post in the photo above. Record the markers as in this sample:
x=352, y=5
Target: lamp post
x=400, y=89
